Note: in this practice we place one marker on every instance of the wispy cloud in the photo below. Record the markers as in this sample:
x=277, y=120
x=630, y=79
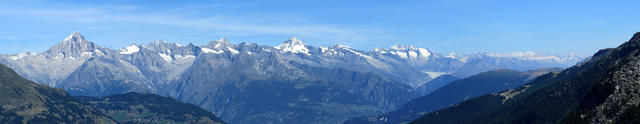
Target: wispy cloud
x=230, y=24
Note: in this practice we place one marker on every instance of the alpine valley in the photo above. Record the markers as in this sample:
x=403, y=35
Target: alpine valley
x=290, y=83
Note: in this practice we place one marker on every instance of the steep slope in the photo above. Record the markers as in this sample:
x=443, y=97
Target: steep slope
x=253, y=85
x=435, y=84
x=149, y=108
x=105, y=75
x=26, y=102
x=455, y=92
x=601, y=90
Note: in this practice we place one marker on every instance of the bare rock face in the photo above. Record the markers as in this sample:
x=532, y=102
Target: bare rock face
x=625, y=84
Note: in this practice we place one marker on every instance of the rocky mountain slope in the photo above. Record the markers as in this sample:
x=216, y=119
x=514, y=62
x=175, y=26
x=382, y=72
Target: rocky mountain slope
x=435, y=84
x=601, y=90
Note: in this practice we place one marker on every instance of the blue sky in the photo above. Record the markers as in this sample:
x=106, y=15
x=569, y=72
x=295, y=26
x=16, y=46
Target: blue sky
x=554, y=27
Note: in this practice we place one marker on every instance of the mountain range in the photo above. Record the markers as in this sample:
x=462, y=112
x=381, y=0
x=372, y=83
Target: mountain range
x=248, y=83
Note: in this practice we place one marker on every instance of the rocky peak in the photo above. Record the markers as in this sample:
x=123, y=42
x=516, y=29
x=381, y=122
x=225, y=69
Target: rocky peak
x=340, y=46
x=293, y=41
x=636, y=37
x=161, y=45
x=158, y=42
x=73, y=46
x=219, y=44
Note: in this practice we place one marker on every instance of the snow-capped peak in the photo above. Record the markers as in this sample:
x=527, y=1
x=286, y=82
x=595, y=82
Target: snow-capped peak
x=130, y=49
x=451, y=55
x=406, y=51
x=293, y=41
x=223, y=40
x=72, y=46
x=532, y=56
x=341, y=46
x=402, y=47
x=157, y=42
x=75, y=37
x=219, y=44
x=293, y=45
x=207, y=50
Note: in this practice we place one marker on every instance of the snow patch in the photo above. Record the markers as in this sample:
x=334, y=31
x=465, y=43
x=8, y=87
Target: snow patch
x=165, y=57
x=451, y=55
x=207, y=50
x=435, y=74
x=424, y=52
x=184, y=57
x=401, y=54
x=413, y=54
x=323, y=49
x=19, y=56
x=130, y=49
x=86, y=53
x=233, y=51
x=98, y=52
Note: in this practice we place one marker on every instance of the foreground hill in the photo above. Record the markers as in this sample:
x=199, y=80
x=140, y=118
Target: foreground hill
x=604, y=89
x=149, y=108
x=23, y=101
x=455, y=92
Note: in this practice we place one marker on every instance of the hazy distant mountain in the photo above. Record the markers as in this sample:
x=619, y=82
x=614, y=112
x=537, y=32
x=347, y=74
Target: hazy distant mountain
x=26, y=102
x=149, y=108
x=223, y=77
x=436, y=83
x=455, y=92
x=601, y=90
